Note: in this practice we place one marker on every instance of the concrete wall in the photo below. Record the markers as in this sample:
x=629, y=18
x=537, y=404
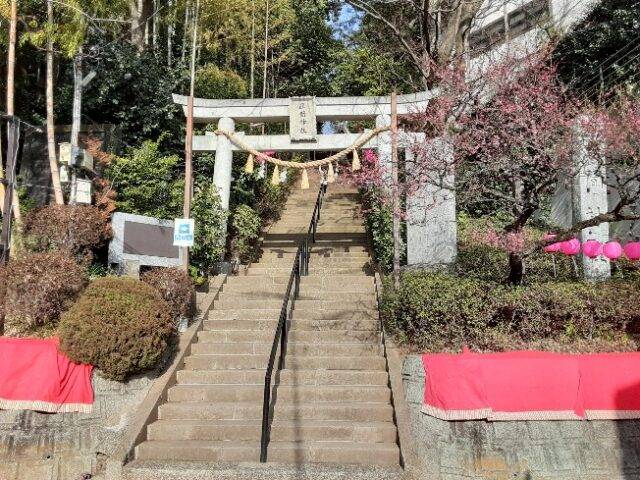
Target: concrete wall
x=551, y=450
x=34, y=172
x=63, y=446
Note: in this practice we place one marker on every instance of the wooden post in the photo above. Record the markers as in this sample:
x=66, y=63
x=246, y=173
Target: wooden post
x=188, y=147
x=394, y=189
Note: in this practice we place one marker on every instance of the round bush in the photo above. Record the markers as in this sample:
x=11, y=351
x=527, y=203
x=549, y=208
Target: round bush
x=76, y=228
x=38, y=288
x=120, y=325
x=176, y=287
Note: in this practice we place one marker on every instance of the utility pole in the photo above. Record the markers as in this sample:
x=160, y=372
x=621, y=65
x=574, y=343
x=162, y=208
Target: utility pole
x=394, y=189
x=76, y=119
x=188, y=146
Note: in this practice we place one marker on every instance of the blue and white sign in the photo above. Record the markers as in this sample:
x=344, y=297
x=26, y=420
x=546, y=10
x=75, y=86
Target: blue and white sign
x=183, y=232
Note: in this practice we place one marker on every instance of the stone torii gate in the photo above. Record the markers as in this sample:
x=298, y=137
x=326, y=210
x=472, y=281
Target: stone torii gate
x=431, y=222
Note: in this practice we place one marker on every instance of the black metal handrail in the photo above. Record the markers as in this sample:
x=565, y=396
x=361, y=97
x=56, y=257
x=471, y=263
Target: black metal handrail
x=300, y=268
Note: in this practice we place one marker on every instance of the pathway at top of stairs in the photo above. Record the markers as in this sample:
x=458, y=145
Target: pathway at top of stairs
x=332, y=401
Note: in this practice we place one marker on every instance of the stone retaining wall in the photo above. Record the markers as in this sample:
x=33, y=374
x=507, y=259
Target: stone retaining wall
x=63, y=446
x=531, y=450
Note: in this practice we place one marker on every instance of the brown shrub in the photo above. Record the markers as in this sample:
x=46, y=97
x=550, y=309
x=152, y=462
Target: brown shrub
x=76, y=228
x=176, y=288
x=38, y=288
x=120, y=325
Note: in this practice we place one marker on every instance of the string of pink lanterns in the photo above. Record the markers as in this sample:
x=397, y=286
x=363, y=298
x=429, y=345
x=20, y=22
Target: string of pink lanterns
x=592, y=248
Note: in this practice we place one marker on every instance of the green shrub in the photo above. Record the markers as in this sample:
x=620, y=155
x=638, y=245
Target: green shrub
x=176, y=288
x=38, y=288
x=245, y=227
x=437, y=311
x=79, y=229
x=210, y=235
x=379, y=221
x=121, y=325
x=147, y=182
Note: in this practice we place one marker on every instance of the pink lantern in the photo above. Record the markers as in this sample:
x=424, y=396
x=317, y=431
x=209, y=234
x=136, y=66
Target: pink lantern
x=612, y=250
x=592, y=248
x=552, y=247
x=632, y=250
x=570, y=247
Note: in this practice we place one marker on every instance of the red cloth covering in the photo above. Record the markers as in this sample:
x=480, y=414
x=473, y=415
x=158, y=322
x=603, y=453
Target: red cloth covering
x=530, y=385
x=35, y=375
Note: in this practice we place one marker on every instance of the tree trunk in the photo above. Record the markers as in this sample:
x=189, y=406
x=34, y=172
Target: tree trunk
x=51, y=137
x=139, y=13
x=516, y=268
x=11, y=68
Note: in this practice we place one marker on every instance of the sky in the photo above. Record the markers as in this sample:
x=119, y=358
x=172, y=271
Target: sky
x=347, y=22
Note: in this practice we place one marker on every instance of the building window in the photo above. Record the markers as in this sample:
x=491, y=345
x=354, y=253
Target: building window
x=517, y=22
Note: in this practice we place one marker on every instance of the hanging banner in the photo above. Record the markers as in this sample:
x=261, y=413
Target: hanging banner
x=302, y=119
x=183, y=232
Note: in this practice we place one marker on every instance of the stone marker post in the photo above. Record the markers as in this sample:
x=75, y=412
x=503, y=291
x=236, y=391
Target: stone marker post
x=590, y=199
x=385, y=149
x=431, y=212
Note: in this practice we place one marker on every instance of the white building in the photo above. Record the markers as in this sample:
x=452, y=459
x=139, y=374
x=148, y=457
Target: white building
x=512, y=26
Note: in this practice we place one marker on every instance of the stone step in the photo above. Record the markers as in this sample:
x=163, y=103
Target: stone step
x=261, y=304
x=360, y=287
x=337, y=411
x=367, y=325
x=314, y=270
x=314, y=262
x=311, y=336
x=292, y=362
x=349, y=453
x=346, y=313
x=281, y=431
x=286, y=393
x=284, y=229
x=181, y=470
x=284, y=452
x=288, y=256
x=353, y=378
x=236, y=295
x=315, y=280
x=319, y=250
x=293, y=348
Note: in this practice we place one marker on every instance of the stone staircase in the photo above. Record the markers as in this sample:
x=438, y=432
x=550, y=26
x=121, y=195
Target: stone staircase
x=332, y=400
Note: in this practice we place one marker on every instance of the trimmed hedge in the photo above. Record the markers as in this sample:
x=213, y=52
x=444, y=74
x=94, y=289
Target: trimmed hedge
x=121, y=325
x=38, y=288
x=441, y=312
x=176, y=288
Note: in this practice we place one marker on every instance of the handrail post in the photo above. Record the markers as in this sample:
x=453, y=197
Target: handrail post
x=266, y=405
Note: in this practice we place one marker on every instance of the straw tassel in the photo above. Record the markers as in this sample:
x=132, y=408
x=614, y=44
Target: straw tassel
x=355, y=161
x=275, y=178
x=330, y=174
x=304, y=182
x=249, y=165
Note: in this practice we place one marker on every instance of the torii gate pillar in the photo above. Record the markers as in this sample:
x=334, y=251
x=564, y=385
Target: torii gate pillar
x=224, y=162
